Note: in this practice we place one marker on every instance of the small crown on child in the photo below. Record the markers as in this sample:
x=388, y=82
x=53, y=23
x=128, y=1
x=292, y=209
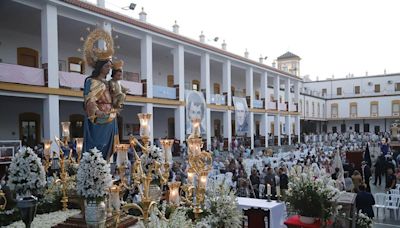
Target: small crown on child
x=118, y=64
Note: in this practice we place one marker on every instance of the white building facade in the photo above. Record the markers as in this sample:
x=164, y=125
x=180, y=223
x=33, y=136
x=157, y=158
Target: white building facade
x=42, y=75
x=359, y=104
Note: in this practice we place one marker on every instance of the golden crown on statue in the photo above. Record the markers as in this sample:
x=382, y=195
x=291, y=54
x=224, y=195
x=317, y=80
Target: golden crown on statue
x=118, y=64
x=93, y=54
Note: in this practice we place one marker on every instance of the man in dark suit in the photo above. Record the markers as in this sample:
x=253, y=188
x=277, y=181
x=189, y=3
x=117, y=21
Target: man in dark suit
x=366, y=174
x=364, y=201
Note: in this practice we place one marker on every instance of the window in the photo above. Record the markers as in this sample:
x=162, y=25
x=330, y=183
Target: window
x=366, y=127
x=356, y=89
x=396, y=108
x=76, y=65
x=323, y=111
x=357, y=128
x=27, y=57
x=343, y=128
x=233, y=93
x=377, y=129
x=257, y=128
x=324, y=92
x=353, y=109
x=334, y=110
x=339, y=91
x=377, y=88
x=307, y=111
x=272, y=128
x=313, y=108
x=374, y=108
x=397, y=86
x=29, y=129
x=334, y=130
x=217, y=128
x=76, y=125
x=301, y=106
x=217, y=88
x=280, y=99
x=318, y=110
x=170, y=80
x=196, y=85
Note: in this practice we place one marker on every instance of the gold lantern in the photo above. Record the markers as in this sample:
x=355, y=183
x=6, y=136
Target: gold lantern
x=46, y=151
x=174, y=196
x=79, y=147
x=65, y=131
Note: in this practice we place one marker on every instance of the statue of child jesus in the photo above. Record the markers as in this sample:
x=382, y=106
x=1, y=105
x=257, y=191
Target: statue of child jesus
x=118, y=92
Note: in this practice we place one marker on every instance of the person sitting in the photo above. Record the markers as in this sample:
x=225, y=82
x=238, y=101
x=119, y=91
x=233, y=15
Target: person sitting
x=255, y=182
x=364, y=201
x=390, y=180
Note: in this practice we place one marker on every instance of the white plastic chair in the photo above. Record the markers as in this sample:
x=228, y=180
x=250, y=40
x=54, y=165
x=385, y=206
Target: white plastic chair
x=393, y=204
x=380, y=203
x=394, y=192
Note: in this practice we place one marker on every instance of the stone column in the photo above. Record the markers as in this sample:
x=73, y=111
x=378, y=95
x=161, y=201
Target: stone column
x=146, y=56
x=49, y=35
x=51, y=119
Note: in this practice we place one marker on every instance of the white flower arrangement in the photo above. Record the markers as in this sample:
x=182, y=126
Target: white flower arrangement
x=222, y=205
x=363, y=221
x=177, y=219
x=48, y=220
x=154, y=154
x=311, y=195
x=93, y=178
x=26, y=173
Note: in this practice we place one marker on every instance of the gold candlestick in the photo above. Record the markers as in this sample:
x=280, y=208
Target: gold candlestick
x=46, y=151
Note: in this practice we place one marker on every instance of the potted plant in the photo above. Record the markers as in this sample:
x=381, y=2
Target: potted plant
x=312, y=197
x=93, y=182
x=26, y=178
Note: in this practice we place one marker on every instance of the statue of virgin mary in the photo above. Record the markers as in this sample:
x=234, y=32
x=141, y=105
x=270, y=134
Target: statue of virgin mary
x=100, y=124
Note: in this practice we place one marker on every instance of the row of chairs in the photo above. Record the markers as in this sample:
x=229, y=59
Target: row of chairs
x=387, y=202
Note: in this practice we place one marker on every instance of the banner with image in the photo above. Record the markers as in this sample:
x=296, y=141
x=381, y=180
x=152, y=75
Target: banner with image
x=241, y=116
x=195, y=108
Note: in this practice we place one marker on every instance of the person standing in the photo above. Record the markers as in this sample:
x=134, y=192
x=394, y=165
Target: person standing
x=379, y=169
x=364, y=201
x=283, y=181
x=357, y=180
x=366, y=174
x=270, y=180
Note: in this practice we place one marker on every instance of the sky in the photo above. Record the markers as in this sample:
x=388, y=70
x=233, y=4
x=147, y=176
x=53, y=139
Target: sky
x=333, y=38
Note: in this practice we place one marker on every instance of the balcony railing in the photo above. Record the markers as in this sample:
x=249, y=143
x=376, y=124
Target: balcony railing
x=21, y=74
x=76, y=81
x=71, y=80
x=258, y=104
x=282, y=107
x=164, y=92
x=293, y=107
x=272, y=105
x=218, y=99
x=135, y=88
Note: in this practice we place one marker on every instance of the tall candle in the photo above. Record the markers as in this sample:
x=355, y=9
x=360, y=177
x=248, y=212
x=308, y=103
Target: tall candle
x=278, y=190
x=268, y=189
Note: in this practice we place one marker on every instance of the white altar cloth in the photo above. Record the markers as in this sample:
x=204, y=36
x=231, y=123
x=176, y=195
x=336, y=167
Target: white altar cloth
x=277, y=210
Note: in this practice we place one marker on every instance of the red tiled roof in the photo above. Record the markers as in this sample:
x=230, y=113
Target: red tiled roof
x=117, y=16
